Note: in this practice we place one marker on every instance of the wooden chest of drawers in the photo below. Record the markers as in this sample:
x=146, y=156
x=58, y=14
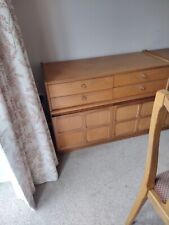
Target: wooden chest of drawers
x=102, y=99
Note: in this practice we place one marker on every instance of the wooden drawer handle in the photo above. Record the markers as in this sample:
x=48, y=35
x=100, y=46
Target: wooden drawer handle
x=84, y=98
x=142, y=88
x=144, y=75
x=83, y=86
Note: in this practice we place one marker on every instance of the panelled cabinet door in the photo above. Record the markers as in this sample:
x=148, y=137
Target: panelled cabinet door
x=69, y=131
x=98, y=134
x=132, y=119
x=144, y=124
x=125, y=120
x=98, y=125
x=98, y=118
x=67, y=123
x=147, y=108
x=125, y=128
x=70, y=140
x=127, y=112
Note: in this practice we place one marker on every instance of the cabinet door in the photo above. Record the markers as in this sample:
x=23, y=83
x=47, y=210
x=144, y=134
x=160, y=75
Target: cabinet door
x=125, y=128
x=144, y=124
x=146, y=108
x=67, y=123
x=127, y=112
x=70, y=139
x=97, y=118
x=98, y=134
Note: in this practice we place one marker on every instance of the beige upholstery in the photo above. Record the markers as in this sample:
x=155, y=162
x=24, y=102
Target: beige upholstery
x=162, y=186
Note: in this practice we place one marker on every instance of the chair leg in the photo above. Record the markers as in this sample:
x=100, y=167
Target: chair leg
x=139, y=202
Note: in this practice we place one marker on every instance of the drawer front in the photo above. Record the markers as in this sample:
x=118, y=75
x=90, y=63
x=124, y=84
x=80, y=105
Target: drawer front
x=151, y=87
x=147, y=108
x=125, y=128
x=56, y=90
x=98, y=134
x=98, y=118
x=144, y=124
x=127, y=112
x=69, y=140
x=141, y=77
x=67, y=123
x=75, y=100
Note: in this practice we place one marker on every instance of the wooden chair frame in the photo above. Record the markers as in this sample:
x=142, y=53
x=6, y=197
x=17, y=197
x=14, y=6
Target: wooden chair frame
x=167, y=86
x=160, y=110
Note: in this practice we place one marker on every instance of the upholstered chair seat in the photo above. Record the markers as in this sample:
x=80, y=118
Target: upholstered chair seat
x=162, y=186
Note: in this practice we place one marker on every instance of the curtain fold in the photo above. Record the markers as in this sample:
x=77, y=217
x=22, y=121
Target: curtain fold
x=24, y=134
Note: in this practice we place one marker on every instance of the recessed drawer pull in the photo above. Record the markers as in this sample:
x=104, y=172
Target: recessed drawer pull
x=144, y=75
x=142, y=88
x=84, y=86
x=84, y=98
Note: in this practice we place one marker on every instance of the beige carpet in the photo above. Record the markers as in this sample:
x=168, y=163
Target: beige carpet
x=97, y=186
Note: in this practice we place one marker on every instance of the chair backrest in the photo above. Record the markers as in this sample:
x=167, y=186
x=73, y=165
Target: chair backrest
x=160, y=111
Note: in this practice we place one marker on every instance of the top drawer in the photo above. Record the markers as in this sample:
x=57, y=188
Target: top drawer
x=77, y=87
x=141, y=77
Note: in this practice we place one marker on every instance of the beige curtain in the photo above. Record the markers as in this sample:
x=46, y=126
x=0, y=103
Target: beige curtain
x=24, y=134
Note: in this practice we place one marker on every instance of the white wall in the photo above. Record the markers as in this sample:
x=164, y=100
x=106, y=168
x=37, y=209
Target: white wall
x=69, y=29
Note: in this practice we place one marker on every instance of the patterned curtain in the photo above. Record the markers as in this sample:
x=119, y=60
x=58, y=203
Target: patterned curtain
x=24, y=135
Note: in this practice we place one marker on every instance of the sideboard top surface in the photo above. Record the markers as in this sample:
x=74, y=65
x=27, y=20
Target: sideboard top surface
x=163, y=53
x=65, y=71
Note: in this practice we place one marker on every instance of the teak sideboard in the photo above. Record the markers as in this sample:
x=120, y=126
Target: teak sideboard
x=102, y=99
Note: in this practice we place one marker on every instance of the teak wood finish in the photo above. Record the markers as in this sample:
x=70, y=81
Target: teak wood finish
x=162, y=54
x=160, y=111
x=102, y=99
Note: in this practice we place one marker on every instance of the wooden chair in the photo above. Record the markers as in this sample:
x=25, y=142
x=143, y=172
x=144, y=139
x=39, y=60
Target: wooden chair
x=155, y=188
x=167, y=86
